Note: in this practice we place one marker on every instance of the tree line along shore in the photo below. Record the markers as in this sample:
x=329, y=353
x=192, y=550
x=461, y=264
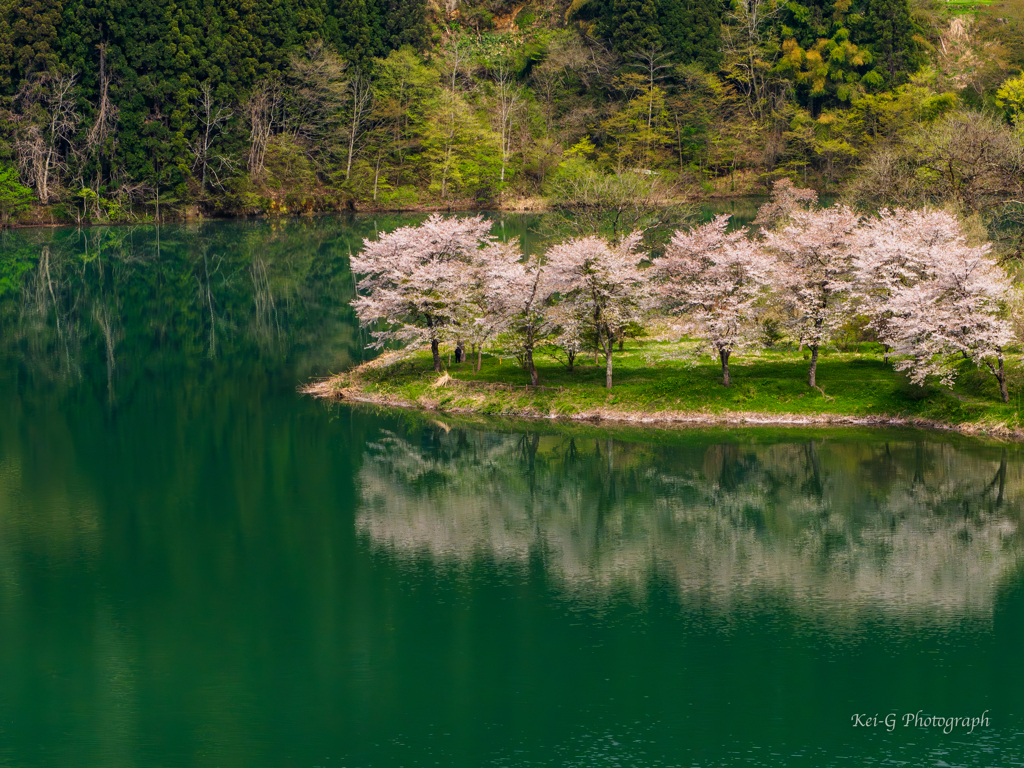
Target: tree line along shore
x=921, y=305
x=113, y=112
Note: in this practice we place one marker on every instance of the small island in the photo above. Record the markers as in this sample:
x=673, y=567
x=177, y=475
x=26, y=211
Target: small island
x=814, y=315
x=858, y=388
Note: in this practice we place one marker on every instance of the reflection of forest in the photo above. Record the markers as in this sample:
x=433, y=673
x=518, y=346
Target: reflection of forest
x=912, y=527
x=107, y=305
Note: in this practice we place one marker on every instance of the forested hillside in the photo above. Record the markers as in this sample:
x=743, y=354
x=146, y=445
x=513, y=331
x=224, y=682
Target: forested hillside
x=123, y=109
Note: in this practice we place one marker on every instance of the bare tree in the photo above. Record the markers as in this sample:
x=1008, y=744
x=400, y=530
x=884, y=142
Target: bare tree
x=750, y=60
x=263, y=113
x=510, y=101
x=568, y=59
x=210, y=116
x=361, y=92
x=969, y=159
x=44, y=128
x=105, y=122
x=318, y=92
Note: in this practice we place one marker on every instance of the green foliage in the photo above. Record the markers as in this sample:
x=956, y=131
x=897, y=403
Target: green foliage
x=1010, y=96
x=365, y=101
x=640, y=134
x=692, y=31
x=838, y=50
x=14, y=196
x=650, y=378
x=634, y=25
x=461, y=155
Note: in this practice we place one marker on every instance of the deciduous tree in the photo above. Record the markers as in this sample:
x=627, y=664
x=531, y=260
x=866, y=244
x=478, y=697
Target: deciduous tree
x=894, y=251
x=716, y=278
x=602, y=285
x=44, y=128
x=950, y=315
x=416, y=280
x=520, y=290
x=815, y=269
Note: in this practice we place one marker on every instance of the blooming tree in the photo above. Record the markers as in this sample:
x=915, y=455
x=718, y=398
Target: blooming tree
x=815, y=269
x=894, y=251
x=518, y=293
x=571, y=332
x=602, y=286
x=785, y=200
x=481, y=316
x=715, y=277
x=418, y=280
x=951, y=315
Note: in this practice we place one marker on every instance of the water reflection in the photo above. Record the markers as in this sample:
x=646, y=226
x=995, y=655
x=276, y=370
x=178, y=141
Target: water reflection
x=923, y=530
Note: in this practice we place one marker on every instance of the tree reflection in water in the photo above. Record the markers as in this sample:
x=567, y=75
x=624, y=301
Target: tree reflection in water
x=840, y=525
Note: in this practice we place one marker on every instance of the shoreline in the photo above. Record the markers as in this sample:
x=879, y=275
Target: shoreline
x=520, y=205
x=333, y=388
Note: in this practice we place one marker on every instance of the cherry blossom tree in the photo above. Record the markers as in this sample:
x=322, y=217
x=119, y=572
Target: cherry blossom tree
x=951, y=315
x=519, y=292
x=785, y=200
x=894, y=251
x=602, y=286
x=570, y=332
x=715, y=277
x=815, y=272
x=418, y=280
x=484, y=315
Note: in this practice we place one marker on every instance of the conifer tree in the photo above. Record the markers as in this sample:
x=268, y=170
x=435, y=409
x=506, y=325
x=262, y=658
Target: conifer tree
x=633, y=25
x=890, y=31
x=692, y=31
x=35, y=45
x=402, y=22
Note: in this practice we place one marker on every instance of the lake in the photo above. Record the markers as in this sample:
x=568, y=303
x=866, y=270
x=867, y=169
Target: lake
x=201, y=567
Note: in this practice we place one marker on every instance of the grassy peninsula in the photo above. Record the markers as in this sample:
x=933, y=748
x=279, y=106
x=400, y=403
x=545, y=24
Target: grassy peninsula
x=855, y=386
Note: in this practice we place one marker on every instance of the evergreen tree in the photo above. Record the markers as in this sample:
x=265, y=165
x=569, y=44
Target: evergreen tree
x=891, y=32
x=32, y=35
x=403, y=22
x=354, y=31
x=633, y=25
x=692, y=31
x=6, y=46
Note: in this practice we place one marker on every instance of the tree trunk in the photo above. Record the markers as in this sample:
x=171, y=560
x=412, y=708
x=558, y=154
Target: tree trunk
x=534, y=378
x=724, y=354
x=814, y=366
x=608, y=364
x=1001, y=376
x=479, y=357
x=435, y=351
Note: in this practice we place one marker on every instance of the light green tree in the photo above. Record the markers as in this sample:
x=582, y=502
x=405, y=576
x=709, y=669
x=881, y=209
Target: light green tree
x=14, y=196
x=1010, y=96
x=462, y=155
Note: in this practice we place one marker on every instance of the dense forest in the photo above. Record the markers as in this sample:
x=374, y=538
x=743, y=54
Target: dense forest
x=113, y=110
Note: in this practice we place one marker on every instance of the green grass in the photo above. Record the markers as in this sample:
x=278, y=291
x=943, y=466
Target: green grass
x=854, y=384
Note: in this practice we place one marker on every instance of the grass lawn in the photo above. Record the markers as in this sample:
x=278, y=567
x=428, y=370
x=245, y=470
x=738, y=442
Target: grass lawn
x=852, y=383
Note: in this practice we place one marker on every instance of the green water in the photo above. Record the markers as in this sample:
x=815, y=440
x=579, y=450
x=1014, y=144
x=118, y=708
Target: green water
x=199, y=567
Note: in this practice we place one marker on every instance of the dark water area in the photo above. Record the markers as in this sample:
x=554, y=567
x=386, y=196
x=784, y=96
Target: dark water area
x=200, y=567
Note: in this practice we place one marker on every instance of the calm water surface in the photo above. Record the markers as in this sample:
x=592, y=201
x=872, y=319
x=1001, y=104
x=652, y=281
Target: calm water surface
x=198, y=567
